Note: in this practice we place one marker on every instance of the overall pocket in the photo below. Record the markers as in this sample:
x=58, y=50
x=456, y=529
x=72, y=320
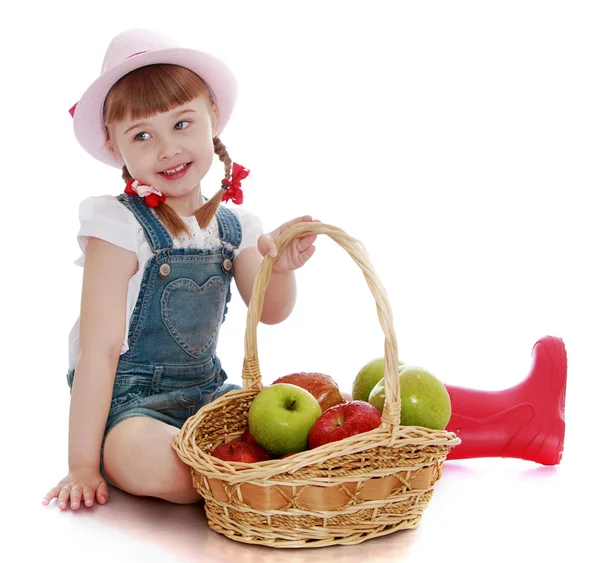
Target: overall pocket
x=193, y=313
x=183, y=403
x=126, y=395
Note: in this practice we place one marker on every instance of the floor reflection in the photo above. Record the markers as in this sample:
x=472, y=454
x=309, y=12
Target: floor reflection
x=183, y=531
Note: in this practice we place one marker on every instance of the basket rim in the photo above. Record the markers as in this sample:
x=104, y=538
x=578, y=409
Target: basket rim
x=415, y=437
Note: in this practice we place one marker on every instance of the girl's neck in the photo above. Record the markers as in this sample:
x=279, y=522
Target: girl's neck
x=185, y=205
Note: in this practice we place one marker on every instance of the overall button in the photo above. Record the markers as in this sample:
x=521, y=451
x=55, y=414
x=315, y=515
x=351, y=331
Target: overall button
x=227, y=265
x=164, y=270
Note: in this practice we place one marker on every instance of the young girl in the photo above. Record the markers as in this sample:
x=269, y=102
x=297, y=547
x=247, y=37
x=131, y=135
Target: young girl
x=158, y=262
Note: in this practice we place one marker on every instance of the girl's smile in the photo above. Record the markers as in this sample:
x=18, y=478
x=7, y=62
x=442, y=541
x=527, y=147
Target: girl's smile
x=176, y=172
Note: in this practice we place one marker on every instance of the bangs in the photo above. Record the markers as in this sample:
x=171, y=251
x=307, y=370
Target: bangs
x=152, y=89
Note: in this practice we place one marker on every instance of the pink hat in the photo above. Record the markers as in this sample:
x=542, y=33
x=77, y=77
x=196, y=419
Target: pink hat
x=133, y=49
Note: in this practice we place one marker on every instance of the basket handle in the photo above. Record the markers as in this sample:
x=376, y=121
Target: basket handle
x=251, y=371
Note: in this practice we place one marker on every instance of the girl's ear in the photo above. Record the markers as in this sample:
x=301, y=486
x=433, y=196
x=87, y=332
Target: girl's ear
x=114, y=151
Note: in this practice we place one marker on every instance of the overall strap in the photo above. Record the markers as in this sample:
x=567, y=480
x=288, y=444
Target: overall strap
x=230, y=229
x=158, y=237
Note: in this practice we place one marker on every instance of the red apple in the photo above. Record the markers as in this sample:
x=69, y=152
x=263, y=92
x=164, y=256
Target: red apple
x=247, y=437
x=342, y=421
x=241, y=451
x=322, y=387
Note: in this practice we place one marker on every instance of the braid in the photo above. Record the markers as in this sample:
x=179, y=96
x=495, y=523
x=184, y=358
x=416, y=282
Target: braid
x=207, y=211
x=221, y=152
x=125, y=174
x=166, y=213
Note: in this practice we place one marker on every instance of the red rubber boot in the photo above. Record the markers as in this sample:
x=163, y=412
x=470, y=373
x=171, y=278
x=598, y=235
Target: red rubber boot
x=526, y=421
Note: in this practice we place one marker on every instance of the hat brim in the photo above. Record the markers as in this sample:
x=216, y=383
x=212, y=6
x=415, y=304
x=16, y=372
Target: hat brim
x=88, y=119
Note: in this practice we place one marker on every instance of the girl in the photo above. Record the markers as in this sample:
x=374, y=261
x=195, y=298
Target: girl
x=158, y=263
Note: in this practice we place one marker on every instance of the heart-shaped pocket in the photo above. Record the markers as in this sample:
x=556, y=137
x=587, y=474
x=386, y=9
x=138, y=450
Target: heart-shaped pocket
x=193, y=313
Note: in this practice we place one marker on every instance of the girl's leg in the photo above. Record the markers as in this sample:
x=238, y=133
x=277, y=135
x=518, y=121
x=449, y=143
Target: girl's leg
x=526, y=421
x=139, y=459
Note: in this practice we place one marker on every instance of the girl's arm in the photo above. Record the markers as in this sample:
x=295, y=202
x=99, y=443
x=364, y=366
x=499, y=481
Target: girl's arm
x=280, y=296
x=106, y=273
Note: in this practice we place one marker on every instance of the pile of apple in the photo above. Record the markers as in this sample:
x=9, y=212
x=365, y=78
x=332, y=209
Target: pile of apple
x=303, y=411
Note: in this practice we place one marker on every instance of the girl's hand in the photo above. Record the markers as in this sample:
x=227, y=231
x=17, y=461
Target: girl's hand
x=296, y=253
x=85, y=482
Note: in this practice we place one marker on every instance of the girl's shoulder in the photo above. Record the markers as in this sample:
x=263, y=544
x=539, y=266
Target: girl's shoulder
x=105, y=217
x=251, y=224
x=104, y=207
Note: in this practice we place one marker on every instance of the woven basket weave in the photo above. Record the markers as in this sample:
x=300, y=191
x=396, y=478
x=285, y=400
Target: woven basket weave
x=344, y=492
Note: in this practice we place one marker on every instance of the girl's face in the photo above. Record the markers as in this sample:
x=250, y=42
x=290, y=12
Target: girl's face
x=171, y=151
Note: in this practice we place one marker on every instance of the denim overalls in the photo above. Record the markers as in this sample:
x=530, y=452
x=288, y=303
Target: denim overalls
x=171, y=369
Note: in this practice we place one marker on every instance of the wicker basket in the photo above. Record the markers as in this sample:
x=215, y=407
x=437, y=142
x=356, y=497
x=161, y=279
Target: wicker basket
x=344, y=492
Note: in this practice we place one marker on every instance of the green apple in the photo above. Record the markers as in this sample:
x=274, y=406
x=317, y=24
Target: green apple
x=281, y=416
x=424, y=400
x=367, y=377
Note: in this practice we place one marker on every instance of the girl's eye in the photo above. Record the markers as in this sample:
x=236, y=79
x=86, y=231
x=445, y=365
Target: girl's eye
x=139, y=137
x=183, y=124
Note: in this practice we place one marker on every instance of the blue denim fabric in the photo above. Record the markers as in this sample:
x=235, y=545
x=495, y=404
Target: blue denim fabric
x=171, y=369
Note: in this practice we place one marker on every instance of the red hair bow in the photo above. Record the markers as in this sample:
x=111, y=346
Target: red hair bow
x=233, y=187
x=151, y=195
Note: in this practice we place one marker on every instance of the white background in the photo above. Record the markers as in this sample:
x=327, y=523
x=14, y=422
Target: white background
x=459, y=141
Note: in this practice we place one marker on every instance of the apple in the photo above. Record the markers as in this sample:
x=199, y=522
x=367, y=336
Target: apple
x=344, y=420
x=281, y=416
x=368, y=376
x=247, y=437
x=241, y=451
x=322, y=387
x=424, y=400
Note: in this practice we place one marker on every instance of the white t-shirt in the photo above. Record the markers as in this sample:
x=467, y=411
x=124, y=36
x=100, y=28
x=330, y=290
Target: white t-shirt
x=107, y=218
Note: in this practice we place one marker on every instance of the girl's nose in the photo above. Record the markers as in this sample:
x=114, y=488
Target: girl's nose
x=169, y=149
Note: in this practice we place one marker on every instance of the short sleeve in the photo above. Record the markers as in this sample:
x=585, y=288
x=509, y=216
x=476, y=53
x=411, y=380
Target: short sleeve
x=106, y=218
x=252, y=228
